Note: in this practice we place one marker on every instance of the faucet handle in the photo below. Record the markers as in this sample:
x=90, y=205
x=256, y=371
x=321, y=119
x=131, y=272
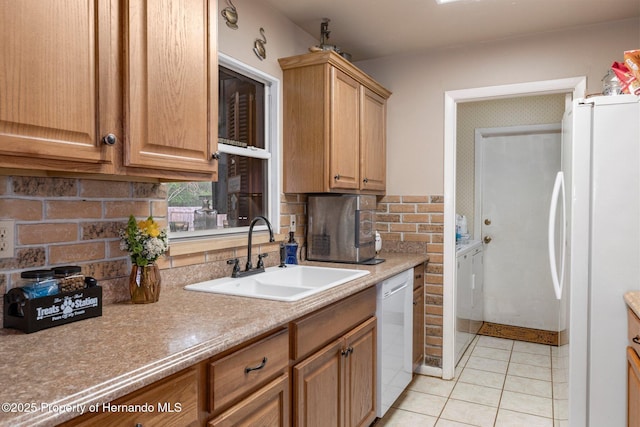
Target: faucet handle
x=260, y=260
x=236, y=266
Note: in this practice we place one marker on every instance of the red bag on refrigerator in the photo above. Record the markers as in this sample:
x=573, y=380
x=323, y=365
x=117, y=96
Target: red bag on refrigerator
x=628, y=81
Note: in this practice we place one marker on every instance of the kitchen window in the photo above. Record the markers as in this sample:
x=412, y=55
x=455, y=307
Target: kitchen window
x=248, y=171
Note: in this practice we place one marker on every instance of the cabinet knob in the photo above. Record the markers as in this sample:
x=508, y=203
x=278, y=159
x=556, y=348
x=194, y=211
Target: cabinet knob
x=487, y=239
x=366, y=180
x=215, y=156
x=109, y=139
x=337, y=177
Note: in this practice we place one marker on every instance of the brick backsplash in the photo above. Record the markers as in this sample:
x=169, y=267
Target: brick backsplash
x=61, y=221
x=415, y=224
x=77, y=221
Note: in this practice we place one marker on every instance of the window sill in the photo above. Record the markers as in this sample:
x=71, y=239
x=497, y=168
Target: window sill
x=208, y=244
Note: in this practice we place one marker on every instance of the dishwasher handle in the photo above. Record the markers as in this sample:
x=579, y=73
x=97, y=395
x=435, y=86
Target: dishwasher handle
x=395, y=290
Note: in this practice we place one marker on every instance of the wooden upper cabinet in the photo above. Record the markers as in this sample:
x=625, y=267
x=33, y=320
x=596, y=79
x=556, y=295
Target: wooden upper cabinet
x=373, y=141
x=170, y=99
x=344, y=142
x=334, y=126
x=75, y=71
x=52, y=90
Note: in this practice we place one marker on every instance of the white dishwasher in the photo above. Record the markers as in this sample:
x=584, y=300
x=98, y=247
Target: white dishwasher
x=394, y=310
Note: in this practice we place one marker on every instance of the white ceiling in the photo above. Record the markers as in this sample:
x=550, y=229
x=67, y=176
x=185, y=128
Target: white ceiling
x=375, y=28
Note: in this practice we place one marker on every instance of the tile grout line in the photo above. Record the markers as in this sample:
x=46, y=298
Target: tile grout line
x=504, y=383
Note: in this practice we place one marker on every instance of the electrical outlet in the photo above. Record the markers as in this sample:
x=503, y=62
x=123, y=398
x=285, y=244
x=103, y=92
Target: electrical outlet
x=7, y=236
x=292, y=222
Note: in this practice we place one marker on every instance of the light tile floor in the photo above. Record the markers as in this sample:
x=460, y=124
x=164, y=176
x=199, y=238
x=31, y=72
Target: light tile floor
x=498, y=383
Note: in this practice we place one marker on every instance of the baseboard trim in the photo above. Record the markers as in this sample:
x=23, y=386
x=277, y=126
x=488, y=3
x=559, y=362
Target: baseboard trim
x=519, y=333
x=430, y=371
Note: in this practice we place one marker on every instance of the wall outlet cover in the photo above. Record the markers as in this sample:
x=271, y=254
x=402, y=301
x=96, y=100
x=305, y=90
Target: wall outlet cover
x=7, y=238
x=293, y=222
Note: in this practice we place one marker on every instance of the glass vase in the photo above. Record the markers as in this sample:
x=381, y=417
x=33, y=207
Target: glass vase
x=144, y=283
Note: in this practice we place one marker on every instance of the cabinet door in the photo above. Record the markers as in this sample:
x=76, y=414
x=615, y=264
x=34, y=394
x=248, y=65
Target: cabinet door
x=418, y=326
x=360, y=404
x=267, y=407
x=318, y=388
x=171, y=85
x=50, y=81
x=344, y=151
x=633, y=388
x=373, y=146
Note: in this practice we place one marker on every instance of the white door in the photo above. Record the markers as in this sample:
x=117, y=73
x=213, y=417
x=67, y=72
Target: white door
x=515, y=172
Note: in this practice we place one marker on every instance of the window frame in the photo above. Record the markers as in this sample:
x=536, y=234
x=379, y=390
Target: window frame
x=271, y=153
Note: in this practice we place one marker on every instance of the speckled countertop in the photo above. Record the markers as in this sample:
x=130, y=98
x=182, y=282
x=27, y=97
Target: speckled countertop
x=633, y=301
x=97, y=360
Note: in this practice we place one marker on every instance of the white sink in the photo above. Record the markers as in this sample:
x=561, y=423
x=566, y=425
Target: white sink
x=282, y=284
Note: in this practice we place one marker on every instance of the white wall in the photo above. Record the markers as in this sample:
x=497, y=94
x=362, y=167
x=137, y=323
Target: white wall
x=415, y=138
x=283, y=37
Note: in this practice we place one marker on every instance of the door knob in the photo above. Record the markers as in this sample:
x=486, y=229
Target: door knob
x=487, y=221
x=487, y=239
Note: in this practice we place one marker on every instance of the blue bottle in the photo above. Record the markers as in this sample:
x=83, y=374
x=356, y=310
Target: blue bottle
x=291, y=250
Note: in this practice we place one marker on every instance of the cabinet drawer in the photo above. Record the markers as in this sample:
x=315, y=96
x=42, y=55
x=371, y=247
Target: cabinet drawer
x=247, y=369
x=269, y=406
x=172, y=402
x=317, y=329
x=633, y=330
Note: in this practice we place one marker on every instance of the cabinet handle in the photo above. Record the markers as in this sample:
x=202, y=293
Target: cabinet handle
x=337, y=177
x=636, y=339
x=347, y=351
x=415, y=303
x=256, y=368
x=109, y=139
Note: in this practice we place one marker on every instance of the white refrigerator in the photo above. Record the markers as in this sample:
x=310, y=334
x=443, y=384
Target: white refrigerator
x=600, y=258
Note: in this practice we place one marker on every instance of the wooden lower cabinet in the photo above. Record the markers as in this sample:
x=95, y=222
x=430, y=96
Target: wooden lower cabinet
x=172, y=401
x=633, y=370
x=267, y=407
x=418, y=327
x=633, y=388
x=336, y=385
x=361, y=374
x=320, y=370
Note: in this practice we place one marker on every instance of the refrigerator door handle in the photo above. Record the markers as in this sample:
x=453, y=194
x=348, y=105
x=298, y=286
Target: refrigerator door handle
x=558, y=279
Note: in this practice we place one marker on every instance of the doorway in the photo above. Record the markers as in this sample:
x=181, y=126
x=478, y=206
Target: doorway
x=515, y=168
x=576, y=86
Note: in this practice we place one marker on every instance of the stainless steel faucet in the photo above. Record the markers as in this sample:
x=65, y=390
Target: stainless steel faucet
x=249, y=270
